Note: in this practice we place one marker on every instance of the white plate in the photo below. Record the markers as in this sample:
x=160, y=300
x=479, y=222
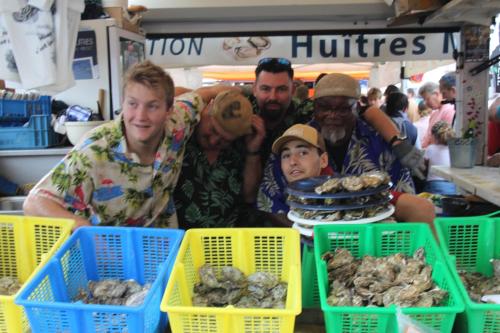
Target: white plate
x=303, y=231
x=382, y=215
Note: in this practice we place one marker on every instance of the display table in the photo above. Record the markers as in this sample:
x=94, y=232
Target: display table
x=481, y=181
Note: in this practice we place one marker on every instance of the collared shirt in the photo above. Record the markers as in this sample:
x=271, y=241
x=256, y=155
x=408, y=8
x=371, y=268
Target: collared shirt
x=102, y=181
x=210, y=195
x=367, y=151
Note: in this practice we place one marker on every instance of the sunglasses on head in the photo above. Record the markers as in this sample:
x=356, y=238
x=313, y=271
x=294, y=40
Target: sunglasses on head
x=281, y=61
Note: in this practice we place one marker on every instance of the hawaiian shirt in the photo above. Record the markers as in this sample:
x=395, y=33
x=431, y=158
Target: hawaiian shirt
x=367, y=151
x=102, y=181
x=210, y=195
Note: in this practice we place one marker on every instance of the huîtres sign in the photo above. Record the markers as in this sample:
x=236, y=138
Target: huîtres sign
x=199, y=51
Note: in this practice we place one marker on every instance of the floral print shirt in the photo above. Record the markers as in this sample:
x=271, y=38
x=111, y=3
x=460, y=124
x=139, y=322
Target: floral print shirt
x=210, y=195
x=367, y=151
x=103, y=182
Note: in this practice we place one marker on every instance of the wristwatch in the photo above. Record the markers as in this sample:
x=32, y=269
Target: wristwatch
x=397, y=138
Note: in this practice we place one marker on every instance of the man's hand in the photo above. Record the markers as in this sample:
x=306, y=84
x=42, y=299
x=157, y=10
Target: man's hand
x=254, y=140
x=410, y=157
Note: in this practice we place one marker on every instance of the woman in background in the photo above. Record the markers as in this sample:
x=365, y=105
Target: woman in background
x=438, y=154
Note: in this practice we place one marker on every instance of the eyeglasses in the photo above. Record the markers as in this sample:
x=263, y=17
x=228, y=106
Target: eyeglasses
x=281, y=61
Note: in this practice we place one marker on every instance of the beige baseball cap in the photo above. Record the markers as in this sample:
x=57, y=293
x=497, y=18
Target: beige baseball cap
x=233, y=112
x=337, y=84
x=299, y=132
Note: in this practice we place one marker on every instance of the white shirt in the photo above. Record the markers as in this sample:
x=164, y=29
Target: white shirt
x=437, y=155
x=421, y=126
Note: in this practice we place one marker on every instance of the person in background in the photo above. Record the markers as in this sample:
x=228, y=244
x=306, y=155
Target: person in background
x=494, y=134
x=438, y=154
x=302, y=153
x=396, y=107
x=423, y=122
x=433, y=98
x=412, y=111
x=221, y=169
x=447, y=87
x=124, y=172
x=301, y=93
x=374, y=96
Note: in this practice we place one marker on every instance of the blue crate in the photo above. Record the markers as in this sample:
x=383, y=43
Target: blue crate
x=96, y=253
x=38, y=134
x=22, y=110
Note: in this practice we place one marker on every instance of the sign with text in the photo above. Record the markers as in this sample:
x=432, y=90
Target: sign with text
x=201, y=51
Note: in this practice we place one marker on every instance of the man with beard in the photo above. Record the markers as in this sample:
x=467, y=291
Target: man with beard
x=353, y=146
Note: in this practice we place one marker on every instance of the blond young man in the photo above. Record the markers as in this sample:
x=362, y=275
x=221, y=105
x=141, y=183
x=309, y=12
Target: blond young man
x=124, y=172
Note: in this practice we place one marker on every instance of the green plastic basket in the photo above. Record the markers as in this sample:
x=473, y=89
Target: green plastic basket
x=310, y=292
x=469, y=243
x=383, y=240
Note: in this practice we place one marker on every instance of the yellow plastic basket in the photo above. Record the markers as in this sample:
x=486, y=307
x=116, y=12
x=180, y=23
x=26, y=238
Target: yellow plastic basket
x=26, y=244
x=274, y=250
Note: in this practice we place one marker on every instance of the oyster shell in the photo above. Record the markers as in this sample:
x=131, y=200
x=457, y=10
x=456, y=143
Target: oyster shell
x=208, y=276
x=352, y=183
x=374, y=179
x=332, y=185
x=9, y=285
x=263, y=279
x=355, y=214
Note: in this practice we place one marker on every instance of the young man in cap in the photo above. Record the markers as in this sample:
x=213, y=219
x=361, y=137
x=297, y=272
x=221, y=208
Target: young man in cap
x=222, y=168
x=124, y=172
x=303, y=154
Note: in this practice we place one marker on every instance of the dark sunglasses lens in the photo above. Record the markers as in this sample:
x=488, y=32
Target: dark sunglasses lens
x=281, y=61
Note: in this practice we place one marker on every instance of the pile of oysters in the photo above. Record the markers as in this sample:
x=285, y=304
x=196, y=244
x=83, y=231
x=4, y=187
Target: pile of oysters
x=9, y=286
x=231, y=287
x=344, y=198
x=396, y=279
x=478, y=285
x=113, y=292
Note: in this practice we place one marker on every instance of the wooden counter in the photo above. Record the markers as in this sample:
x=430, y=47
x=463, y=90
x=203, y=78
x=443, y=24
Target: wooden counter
x=481, y=181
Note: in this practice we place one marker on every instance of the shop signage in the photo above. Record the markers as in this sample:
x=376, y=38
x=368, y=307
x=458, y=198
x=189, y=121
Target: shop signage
x=200, y=51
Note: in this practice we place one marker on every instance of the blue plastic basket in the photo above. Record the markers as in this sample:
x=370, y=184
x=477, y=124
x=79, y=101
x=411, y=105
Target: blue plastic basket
x=96, y=253
x=37, y=134
x=22, y=110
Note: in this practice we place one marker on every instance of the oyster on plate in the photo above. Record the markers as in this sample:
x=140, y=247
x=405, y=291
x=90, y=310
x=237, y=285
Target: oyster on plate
x=332, y=185
x=352, y=183
x=374, y=179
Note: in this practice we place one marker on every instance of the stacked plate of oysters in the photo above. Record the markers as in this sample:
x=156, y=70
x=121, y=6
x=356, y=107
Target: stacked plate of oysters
x=339, y=199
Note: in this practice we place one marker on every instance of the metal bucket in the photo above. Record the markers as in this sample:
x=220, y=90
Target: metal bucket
x=462, y=152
